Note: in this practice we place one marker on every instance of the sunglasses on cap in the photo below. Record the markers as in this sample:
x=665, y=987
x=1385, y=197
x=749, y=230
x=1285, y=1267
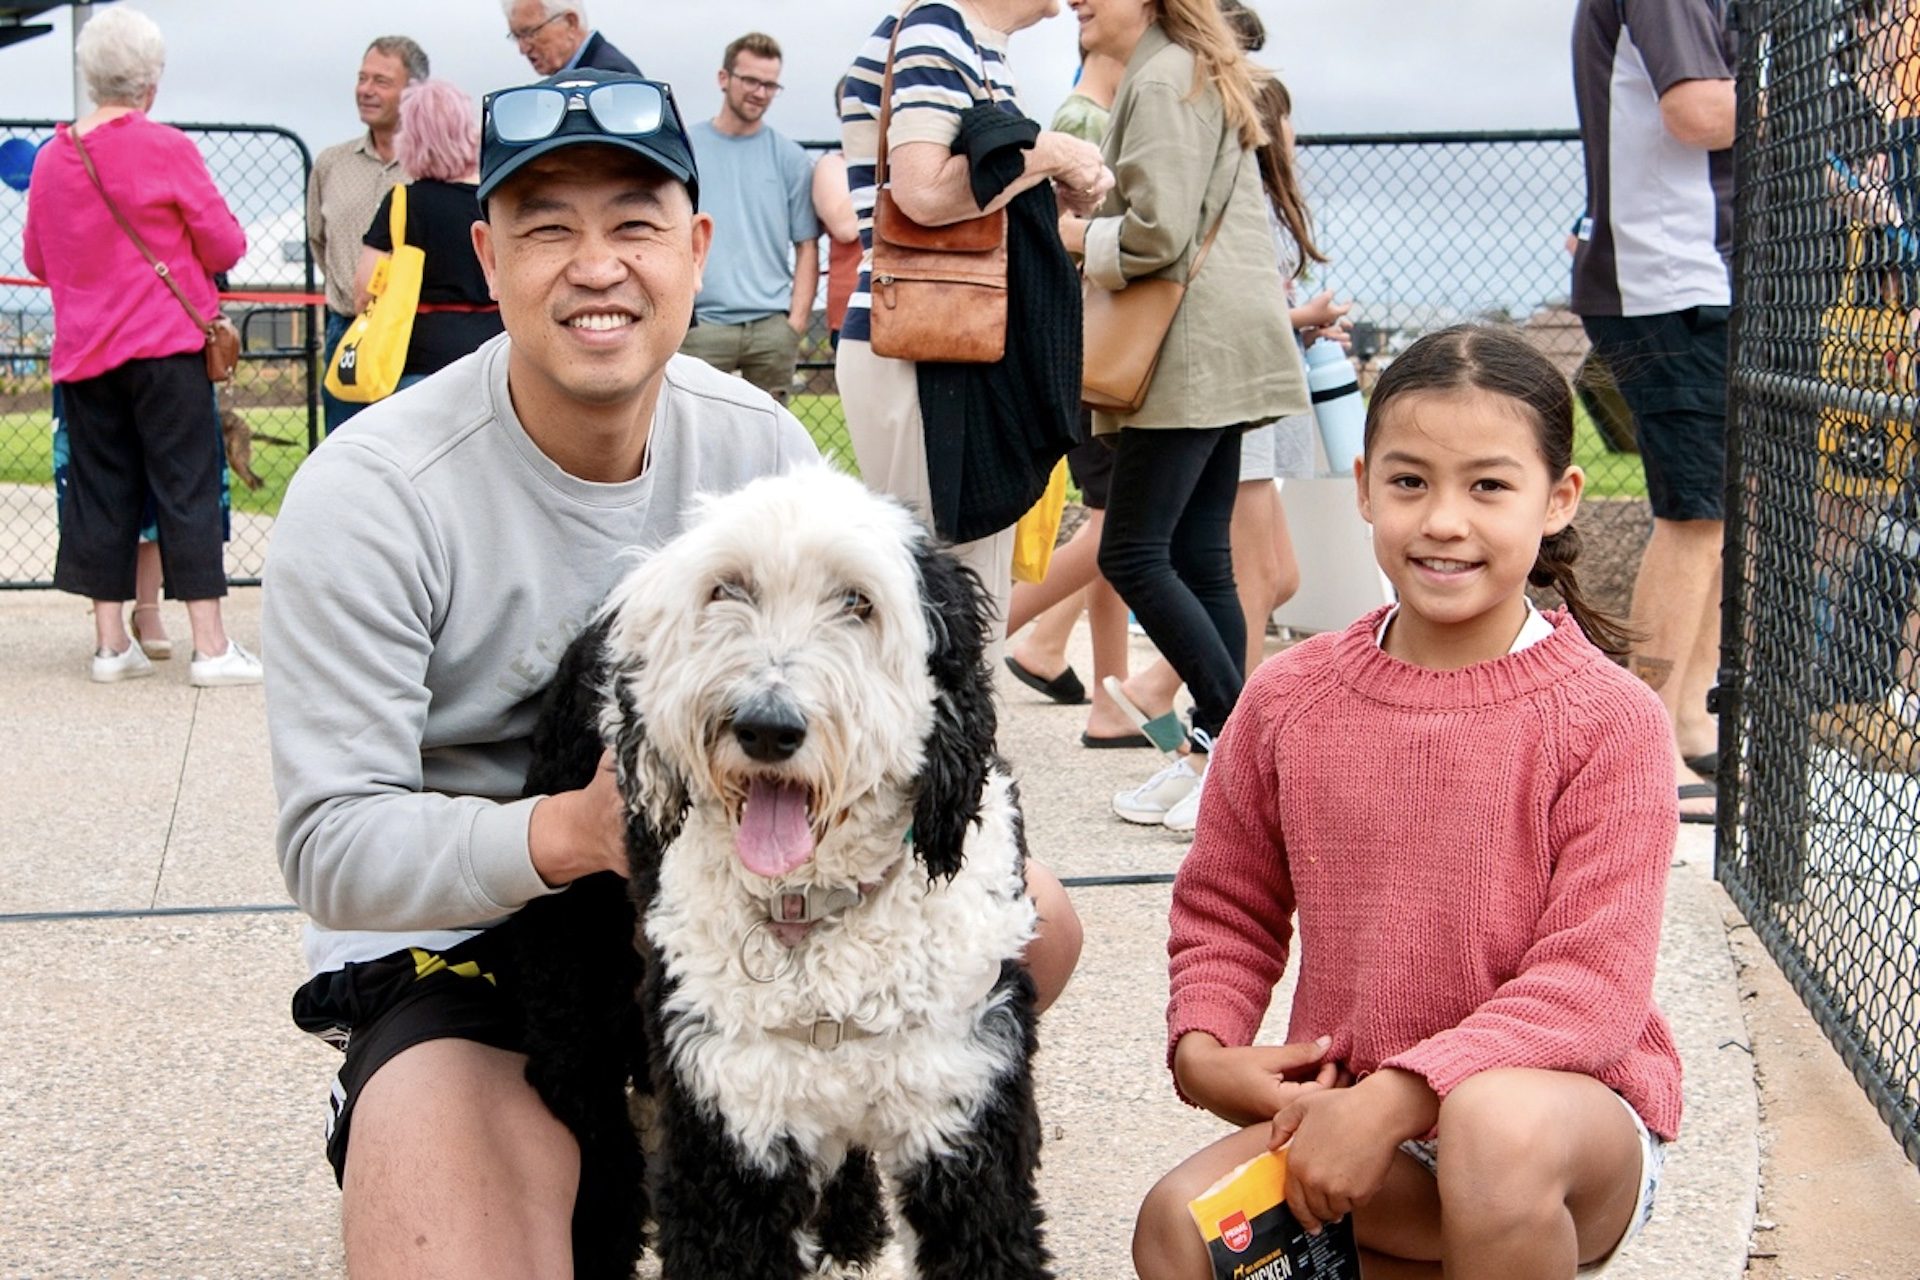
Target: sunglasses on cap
x=533, y=113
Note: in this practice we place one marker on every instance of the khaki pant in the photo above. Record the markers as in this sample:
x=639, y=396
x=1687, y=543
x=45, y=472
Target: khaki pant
x=881, y=398
x=765, y=351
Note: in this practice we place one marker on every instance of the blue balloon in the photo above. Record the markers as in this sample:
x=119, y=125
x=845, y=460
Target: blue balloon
x=16, y=162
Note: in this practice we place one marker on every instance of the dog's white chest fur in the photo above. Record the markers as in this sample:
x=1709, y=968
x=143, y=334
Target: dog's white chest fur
x=915, y=964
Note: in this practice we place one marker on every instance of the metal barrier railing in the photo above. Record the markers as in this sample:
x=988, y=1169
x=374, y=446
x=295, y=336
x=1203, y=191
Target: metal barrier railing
x=1820, y=757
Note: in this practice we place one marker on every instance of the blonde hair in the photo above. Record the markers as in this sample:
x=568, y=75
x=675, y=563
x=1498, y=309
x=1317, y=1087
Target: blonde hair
x=1199, y=27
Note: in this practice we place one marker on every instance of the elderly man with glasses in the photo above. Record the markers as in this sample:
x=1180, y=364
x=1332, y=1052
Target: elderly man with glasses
x=554, y=35
x=430, y=566
x=756, y=298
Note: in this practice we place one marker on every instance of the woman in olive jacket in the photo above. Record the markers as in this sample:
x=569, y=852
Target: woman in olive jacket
x=1180, y=146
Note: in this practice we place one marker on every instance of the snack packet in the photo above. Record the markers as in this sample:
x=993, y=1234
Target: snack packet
x=1251, y=1235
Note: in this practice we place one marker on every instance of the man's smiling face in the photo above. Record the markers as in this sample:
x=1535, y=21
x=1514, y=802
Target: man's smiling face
x=594, y=256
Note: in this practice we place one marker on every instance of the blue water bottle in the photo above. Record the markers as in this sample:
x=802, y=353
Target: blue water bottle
x=1337, y=406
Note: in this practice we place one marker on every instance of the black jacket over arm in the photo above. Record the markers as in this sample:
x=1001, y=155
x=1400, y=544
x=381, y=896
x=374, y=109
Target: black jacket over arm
x=994, y=431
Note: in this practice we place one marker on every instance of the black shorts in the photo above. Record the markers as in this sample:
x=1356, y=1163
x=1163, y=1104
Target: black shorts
x=371, y=1011
x=1672, y=371
x=1091, y=466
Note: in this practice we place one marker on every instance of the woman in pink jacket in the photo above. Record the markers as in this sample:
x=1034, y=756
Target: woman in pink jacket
x=127, y=356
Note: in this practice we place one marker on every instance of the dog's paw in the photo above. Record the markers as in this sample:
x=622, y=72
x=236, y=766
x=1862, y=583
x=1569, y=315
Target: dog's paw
x=890, y=1265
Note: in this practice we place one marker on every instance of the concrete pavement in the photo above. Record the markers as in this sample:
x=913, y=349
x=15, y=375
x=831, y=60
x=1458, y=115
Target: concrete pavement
x=160, y=1116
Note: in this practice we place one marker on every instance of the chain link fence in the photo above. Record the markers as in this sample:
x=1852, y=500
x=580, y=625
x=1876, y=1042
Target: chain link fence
x=266, y=413
x=1427, y=230
x=1423, y=229
x=1819, y=799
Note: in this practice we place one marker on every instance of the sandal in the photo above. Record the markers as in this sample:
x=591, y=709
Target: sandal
x=1705, y=765
x=160, y=647
x=1699, y=791
x=1164, y=732
x=1064, y=688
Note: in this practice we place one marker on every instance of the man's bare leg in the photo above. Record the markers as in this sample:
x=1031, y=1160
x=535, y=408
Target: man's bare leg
x=1677, y=586
x=455, y=1168
x=1695, y=729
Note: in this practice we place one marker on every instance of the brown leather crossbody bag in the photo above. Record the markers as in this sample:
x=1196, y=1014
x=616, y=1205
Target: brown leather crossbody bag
x=939, y=293
x=1123, y=329
x=222, y=339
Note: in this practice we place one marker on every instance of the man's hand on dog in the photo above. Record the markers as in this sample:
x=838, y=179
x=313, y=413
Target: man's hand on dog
x=577, y=833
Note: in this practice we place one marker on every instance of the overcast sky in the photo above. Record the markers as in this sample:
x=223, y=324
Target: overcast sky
x=1353, y=65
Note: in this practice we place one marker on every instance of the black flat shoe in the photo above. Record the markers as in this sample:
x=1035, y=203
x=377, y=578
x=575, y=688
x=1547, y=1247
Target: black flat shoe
x=1705, y=765
x=1101, y=743
x=1064, y=688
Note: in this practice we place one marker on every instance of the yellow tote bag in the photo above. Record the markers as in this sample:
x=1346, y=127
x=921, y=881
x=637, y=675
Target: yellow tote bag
x=373, y=351
x=1034, y=535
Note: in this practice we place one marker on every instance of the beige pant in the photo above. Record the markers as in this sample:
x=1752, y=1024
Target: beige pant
x=881, y=398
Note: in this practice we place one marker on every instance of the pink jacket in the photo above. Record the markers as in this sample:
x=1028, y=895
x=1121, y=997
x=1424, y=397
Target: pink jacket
x=1477, y=860
x=109, y=306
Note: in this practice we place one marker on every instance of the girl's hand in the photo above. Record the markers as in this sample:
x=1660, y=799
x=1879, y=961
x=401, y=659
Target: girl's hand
x=1248, y=1085
x=1340, y=1143
x=1320, y=312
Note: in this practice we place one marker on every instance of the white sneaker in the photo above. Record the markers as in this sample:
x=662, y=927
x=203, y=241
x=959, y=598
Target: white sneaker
x=109, y=668
x=1185, y=814
x=234, y=667
x=1149, y=803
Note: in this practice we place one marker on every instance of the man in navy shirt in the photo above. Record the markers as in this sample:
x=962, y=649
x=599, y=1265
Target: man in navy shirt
x=555, y=36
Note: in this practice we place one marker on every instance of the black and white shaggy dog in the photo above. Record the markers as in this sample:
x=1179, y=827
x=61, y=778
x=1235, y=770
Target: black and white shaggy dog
x=827, y=864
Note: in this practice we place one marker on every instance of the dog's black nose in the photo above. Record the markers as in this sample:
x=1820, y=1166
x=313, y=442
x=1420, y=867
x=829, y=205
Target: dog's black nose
x=769, y=731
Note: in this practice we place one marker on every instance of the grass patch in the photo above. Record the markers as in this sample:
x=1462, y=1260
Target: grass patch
x=26, y=454
x=1609, y=474
x=826, y=422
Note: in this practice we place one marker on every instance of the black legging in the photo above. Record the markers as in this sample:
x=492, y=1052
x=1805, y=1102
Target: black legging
x=1166, y=549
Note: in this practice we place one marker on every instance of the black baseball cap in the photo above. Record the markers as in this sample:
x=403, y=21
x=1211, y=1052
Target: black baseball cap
x=585, y=105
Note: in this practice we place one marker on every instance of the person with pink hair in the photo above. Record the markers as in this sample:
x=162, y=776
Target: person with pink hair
x=438, y=146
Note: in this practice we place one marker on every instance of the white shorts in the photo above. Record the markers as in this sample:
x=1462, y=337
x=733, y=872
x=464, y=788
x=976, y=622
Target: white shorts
x=1278, y=451
x=1653, y=1157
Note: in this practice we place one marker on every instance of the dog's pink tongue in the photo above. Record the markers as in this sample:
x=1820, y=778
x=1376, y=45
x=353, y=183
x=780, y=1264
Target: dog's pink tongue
x=774, y=836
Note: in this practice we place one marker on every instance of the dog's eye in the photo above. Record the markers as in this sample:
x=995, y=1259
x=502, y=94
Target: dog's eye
x=855, y=604
x=731, y=589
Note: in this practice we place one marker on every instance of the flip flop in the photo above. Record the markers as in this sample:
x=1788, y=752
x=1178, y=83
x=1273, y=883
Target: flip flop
x=1164, y=732
x=1705, y=765
x=1064, y=688
x=1699, y=791
x=1100, y=743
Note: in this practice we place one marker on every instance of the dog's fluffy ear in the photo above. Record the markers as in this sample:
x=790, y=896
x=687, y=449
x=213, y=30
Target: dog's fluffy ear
x=654, y=792
x=959, y=746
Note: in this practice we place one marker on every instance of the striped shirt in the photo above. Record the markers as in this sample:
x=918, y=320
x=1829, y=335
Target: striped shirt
x=942, y=67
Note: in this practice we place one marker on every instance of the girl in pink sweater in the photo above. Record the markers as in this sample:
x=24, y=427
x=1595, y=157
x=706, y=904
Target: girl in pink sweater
x=1471, y=811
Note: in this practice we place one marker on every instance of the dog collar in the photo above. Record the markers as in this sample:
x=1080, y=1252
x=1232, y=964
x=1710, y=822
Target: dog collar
x=824, y=1033
x=793, y=910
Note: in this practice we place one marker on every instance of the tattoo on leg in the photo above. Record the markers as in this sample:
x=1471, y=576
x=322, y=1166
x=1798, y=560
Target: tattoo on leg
x=1654, y=671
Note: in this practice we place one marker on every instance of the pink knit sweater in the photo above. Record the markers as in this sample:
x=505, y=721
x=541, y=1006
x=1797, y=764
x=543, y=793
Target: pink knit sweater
x=1478, y=859
x=108, y=305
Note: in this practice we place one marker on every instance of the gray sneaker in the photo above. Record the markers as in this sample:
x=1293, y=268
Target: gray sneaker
x=234, y=667
x=111, y=668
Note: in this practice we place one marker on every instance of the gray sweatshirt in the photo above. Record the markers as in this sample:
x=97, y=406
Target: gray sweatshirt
x=428, y=568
